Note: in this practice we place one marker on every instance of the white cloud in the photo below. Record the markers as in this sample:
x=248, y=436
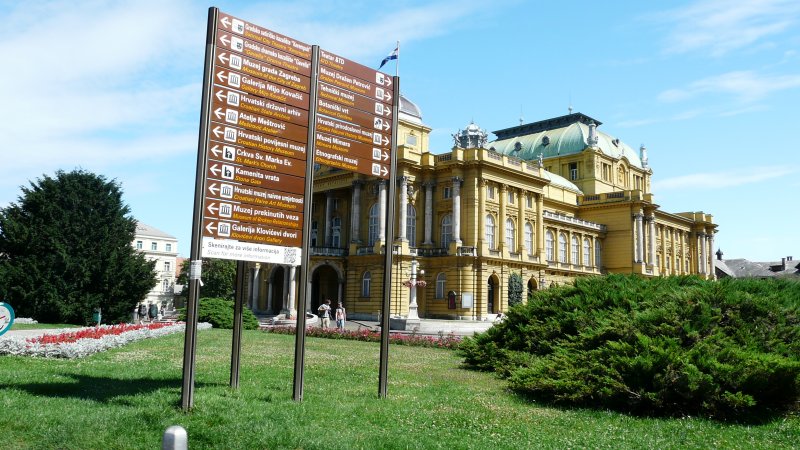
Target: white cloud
x=718, y=27
x=721, y=180
x=745, y=86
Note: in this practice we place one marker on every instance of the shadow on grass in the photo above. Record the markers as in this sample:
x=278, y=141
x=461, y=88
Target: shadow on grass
x=101, y=389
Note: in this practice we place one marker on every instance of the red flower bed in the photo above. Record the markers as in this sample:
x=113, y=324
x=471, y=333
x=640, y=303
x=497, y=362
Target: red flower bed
x=93, y=333
x=448, y=341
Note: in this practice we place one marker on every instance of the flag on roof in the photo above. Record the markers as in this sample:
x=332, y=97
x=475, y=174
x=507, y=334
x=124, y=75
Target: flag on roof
x=391, y=56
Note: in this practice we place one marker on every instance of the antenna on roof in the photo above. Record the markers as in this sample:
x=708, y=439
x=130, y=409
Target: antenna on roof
x=521, y=119
x=569, y=107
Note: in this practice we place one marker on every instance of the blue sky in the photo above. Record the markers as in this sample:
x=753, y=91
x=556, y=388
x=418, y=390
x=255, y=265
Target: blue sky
x=711, y=87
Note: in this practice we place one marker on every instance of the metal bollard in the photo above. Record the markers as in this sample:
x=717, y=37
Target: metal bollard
x=175, y=438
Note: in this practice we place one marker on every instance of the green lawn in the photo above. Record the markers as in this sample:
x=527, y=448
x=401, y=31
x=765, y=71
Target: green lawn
x=126, y=398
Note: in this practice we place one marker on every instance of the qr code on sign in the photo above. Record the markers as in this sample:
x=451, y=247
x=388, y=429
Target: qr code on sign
x=290, y=256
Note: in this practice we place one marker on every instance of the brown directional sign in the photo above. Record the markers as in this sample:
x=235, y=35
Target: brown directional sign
x=224, y=152
x=264, y=53
x=350, y=148
x=255, y=196
x=256, y=33
x=353, y=115
x=353, y=100
x=255, y=177
x=249, y=232
x=252, y=214
x=343, y=65
x=223, y=97
x=263, y=70
x=257, y=141
x=359, y=165
x=262, y=88
x=352, y=131
x=354, y=84
x=259, y=123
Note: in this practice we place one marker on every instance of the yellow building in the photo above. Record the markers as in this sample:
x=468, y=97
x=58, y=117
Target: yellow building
x=550, y=201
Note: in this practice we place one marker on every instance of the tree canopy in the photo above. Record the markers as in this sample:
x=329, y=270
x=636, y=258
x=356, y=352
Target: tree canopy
x=218, y=275
x=65, y=248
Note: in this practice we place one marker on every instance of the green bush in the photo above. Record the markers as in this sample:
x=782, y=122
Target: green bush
x=668, y=346
x=219, y=313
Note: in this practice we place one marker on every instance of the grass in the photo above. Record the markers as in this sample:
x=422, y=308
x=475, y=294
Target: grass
x=127, y=397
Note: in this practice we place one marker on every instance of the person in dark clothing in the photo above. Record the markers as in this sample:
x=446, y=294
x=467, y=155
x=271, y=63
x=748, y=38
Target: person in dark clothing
x=153, y=313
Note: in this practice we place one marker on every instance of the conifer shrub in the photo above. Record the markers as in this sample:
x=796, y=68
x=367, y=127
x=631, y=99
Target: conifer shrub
x=674, y=346
x=219, y=313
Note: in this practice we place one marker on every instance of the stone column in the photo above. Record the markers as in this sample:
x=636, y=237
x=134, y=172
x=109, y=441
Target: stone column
x=428, y=212
x=413, y=313
x=292, y=289
x=651, y=222
x=328, y=219
x=288, y=305
x=340, y=291
x=540, y=229
x=254, y=287
x=697, y=253
x=639, y=237
x=501, y=225
x=704, y=253
x=269, y=294
x=521, y=222
x=678, y=269
x=711, y=252
x=457, y=210
x=403, y=216
x=382, y=208
x=481, y=213
x=664, y=249
x=355, y=220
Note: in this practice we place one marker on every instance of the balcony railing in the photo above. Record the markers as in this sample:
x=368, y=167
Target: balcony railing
x=428, y=252
x=329, y=251
x=467, y=251
x=366, y=250
x=574, y=221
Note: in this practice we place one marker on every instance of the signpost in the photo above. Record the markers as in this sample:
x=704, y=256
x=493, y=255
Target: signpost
x=271, y=104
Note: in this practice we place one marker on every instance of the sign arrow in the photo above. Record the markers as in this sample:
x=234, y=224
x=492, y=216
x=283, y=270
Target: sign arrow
x=385, y=140
x=218, y=133
x=386, y=125
x=218, y=112
x=211, y=227
x=387, y=81
x=384, y=172
x=214, y=169
x=225, y=22
x=387, y=112
x=213, y=188
x=387, y=96
x=216, y=151
x=224, y=39
x=221, y=96
x=222, y=76
x=212, y=208
x=385, y=155
x=223, y=57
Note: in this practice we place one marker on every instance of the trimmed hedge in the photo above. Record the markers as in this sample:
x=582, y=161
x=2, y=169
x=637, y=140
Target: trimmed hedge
x=219, y=313
x=727, y=349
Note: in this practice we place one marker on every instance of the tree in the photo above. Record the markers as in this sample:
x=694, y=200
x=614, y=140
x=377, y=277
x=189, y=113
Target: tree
x=65, y=249
x=514, y=289
x=218, y=275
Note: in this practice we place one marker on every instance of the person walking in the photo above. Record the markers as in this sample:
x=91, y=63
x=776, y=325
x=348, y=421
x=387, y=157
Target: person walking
x=325, y=313
x=341, y=316
x=142, y=313
x=153, y=313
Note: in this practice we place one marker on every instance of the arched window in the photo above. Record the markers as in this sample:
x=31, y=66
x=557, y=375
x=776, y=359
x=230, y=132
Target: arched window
x=598, y=254
x=490, y=231
x=374, y=226
x=587, y=250
x=441, y=280
x=549, y=245
x=510, y=236
x=447, y=230
x=336, y=232
x=529, y=238
x=575, y=247
x=411, y=225
x=366, y=279
x=562, y=247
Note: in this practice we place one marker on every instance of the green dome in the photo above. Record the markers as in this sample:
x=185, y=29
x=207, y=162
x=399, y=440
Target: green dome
x=561, y=136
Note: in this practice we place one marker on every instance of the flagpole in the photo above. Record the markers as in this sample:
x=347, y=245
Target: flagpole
x=397, y=63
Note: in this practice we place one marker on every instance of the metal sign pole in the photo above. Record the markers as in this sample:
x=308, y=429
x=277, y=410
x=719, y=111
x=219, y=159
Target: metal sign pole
x=387, y=268
x=190, y=340
x=236, y=344
x=305, y=257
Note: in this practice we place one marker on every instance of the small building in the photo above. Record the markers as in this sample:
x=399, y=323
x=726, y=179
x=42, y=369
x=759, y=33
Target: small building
x=744, y=268
x=162, y=248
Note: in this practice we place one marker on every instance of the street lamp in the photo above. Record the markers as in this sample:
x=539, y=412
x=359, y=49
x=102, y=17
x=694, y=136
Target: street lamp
x=412, y=284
